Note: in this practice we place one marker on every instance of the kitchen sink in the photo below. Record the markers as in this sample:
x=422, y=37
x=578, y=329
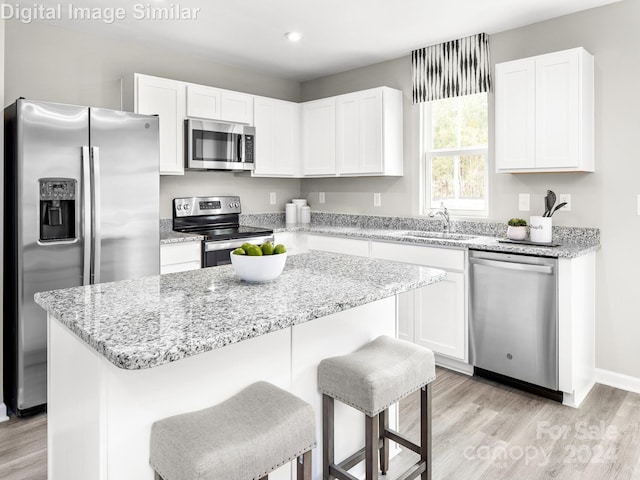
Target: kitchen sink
x=440, y=235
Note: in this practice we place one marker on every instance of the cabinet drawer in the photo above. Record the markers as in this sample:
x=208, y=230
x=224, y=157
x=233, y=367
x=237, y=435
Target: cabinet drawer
x=448, y=258
x=174, y=253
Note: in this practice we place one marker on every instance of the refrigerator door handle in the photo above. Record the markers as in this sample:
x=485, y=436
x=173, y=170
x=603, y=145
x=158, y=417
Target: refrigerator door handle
x=95, y=214
x=86, y=210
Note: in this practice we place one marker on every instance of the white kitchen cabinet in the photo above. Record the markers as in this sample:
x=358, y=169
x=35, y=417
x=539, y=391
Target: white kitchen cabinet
x=545, y=113
x=348, y=246
x=219, y=104
x=434, y=316
x=319, y=137
x=369, y=132
x=278, y=143
x=180, y=257
x=165, y=98
x=294, y=242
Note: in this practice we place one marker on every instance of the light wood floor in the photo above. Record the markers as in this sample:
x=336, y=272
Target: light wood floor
x=482, y=431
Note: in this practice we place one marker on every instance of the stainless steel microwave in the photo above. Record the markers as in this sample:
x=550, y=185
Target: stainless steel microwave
x=218, y=146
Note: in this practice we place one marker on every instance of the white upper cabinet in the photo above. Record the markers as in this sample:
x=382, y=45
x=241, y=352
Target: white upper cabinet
x=545, y=113
x=165, y=98
x=318, y=137
x=218, y=104
x=278, y=143
x=369, y=132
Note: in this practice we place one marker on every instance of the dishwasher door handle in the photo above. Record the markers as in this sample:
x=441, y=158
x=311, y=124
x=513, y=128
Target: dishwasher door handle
x=523, y=267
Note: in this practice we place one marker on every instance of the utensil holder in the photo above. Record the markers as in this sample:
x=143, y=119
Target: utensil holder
x=540, y=229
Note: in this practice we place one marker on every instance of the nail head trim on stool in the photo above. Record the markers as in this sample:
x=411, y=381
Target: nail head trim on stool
x=372, y=379
x=245, y=437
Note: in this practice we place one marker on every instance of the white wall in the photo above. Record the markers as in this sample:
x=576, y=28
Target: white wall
x=57, y=65
x=605, y=199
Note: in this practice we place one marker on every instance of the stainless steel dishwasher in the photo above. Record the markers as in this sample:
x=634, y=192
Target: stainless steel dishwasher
x=513, y=318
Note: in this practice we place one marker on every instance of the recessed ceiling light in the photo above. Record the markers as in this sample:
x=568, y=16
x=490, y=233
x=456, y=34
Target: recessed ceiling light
x=293, y=36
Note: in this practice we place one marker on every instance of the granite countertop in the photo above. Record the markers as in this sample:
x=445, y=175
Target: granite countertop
x=573, y=242
x=148, y=322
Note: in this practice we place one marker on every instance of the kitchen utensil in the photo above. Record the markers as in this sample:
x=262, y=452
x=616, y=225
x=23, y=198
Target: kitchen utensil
x=550, y=201
x=558, y=207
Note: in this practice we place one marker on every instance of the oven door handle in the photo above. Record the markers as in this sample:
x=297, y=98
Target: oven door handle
x=235, y=243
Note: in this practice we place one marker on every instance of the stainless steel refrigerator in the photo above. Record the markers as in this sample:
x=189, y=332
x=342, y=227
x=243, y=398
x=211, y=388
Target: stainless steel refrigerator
x=81, y=207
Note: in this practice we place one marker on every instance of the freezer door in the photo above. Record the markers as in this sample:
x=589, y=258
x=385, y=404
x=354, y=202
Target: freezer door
x=125, y=208
x=48, y=140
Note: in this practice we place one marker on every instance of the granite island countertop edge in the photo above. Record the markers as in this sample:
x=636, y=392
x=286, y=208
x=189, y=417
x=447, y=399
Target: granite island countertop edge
x=104, y=316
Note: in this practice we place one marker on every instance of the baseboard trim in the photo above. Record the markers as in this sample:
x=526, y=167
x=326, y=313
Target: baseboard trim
x=3, y=412
x=618, y=380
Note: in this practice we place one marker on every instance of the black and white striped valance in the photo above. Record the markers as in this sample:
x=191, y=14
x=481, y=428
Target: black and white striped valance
x=451, y=69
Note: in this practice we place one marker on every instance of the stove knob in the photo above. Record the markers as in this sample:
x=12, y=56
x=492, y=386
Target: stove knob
x=237, y=204
x=230, y=204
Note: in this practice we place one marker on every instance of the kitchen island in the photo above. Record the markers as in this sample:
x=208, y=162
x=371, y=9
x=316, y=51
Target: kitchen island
x=124, y=354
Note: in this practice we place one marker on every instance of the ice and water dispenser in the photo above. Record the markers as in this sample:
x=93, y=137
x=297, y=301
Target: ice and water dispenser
x=58, y=209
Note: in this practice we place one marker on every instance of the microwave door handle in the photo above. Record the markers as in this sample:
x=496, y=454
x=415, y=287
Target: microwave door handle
x=239, y=148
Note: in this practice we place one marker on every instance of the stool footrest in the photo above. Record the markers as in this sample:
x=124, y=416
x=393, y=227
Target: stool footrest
x=351, y=461
x=340, y=473
x=413, y=471
x=401, y=440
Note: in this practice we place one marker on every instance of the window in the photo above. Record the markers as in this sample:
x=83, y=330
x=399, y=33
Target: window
x=455, y=141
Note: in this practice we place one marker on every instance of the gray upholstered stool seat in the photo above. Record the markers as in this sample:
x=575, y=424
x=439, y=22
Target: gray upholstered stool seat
x=371, y=380
x=243, y=438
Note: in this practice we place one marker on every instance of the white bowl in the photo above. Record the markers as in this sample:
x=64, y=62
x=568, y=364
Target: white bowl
x=258, y=269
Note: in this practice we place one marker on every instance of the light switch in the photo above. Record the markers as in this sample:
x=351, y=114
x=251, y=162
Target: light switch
x=524, y=200
x=321, y=197
x=377, y=200
x=272, y=198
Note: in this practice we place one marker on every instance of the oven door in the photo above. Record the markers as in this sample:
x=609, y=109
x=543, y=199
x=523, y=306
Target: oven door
x=216, y=253
x=218, y=146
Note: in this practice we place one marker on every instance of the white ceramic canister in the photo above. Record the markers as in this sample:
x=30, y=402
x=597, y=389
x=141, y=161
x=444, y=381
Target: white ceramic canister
x=540, y=229
x=299, y=202
x=305, y=214
x=291, y=213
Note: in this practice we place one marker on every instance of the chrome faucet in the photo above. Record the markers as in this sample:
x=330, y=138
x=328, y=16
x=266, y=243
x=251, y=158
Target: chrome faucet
x=444, y=213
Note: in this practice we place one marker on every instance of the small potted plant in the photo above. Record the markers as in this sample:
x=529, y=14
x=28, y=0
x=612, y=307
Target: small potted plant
x=517, y=229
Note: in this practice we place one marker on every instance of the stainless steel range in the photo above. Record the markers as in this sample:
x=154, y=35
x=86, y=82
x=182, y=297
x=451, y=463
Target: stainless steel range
x=218, y=219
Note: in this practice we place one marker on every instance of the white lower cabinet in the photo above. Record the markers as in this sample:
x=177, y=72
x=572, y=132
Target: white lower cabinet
x=348, y=246
x=434, y=316
x=180, y=257
x=294, y=242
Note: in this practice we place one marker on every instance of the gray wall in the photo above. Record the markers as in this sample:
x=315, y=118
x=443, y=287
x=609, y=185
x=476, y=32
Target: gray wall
x=605, y=199
x=58, y=65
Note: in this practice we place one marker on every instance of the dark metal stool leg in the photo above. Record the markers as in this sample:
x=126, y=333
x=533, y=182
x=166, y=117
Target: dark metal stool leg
x=304, y=466
x=425, y=430
x=327, y=435
x=384, y=450
x=371, y=447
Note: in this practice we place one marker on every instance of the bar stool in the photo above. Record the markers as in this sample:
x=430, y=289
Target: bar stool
x=245, y=437
x=370, y=380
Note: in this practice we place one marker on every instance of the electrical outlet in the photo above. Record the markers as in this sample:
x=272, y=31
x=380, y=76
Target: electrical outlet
x=524, y=200
x=272, y=198
x=321, y=197
x=565, y=197
x=377, y=200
